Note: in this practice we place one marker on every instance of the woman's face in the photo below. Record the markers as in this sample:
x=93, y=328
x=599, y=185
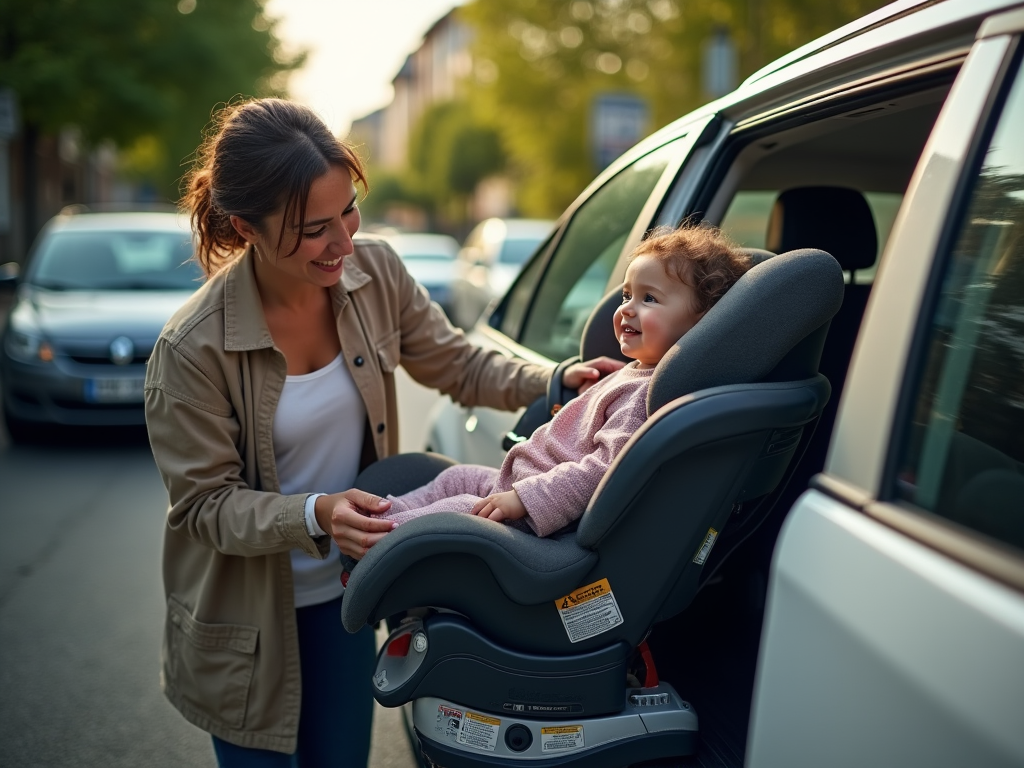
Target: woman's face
x=331, y=219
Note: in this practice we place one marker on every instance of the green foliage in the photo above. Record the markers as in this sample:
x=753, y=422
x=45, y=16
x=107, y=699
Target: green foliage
x=540, y=63
x=142, y=73
x=450, y=152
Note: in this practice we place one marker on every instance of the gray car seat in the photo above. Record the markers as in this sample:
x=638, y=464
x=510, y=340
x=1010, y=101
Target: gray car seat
x=523, y=657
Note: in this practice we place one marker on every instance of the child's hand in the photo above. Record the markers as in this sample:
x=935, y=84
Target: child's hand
x=500, y=506
x=582, y=376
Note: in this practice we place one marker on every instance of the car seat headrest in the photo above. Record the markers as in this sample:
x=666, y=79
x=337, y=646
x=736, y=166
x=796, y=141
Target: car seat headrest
x=832, y=219
x=761, y=324
x=598, y=338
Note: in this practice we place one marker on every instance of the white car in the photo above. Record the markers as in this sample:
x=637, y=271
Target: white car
x=876, y=617
x=430, y=259
x=489, y=260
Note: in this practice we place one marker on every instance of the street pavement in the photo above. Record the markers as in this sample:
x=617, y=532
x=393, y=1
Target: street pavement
x=81, y=611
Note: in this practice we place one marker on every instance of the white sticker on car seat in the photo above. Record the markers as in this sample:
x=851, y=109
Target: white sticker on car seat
x=480, y=731
x=560, y=738
x=705, y=548
x=589, y=611
x=381, y=679
x=449, y=722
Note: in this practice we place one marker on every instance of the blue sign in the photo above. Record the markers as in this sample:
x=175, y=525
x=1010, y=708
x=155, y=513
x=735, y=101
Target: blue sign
x=618, y=121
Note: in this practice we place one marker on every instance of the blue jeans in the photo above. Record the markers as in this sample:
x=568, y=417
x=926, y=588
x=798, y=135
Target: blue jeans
x=337, y=703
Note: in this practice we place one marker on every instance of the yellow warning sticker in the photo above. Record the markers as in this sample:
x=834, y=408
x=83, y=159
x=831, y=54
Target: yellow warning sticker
x=705, y=547
x=479, y=731
x=560, y=738
x=589, y=611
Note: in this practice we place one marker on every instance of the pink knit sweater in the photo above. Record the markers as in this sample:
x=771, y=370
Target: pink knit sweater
x=558, y=469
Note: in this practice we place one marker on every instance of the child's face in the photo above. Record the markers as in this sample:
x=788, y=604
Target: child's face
x=656, y=311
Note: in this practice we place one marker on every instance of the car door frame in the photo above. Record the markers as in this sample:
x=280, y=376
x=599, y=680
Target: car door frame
x=846, y=673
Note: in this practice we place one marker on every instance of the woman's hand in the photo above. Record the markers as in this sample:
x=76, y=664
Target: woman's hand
x=500, y=506
x=344, y=516
x=582, y=376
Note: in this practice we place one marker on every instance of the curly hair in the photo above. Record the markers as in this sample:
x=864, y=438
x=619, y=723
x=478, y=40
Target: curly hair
x=258, y=157
x=700, y=256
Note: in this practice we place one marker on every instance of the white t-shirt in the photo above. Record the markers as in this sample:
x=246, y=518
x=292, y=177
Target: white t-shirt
x=318, y=439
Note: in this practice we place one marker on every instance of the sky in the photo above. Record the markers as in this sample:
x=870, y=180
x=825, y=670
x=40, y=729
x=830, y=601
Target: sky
x=356, y=48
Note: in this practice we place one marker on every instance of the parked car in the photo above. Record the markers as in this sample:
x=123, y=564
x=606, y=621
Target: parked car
x=884, y=626
x=96, y=291
x=430, y=258
x=490, y=258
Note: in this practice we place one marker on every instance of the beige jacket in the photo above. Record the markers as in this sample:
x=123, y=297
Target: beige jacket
x=230, y=659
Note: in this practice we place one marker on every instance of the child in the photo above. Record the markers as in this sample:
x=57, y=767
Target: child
x=674, y=277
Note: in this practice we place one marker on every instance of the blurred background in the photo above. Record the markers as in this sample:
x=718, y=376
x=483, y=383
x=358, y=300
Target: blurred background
x=479, y=121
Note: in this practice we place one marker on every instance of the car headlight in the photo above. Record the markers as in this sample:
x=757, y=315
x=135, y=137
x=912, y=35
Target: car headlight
x=28, y=345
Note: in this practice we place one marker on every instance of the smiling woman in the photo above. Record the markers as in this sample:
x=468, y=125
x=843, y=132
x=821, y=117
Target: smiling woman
x=277, y=380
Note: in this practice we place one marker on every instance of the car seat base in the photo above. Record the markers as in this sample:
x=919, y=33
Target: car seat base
x=654, y=724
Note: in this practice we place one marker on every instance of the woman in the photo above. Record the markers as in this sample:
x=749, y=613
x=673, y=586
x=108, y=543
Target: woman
x=276, y=381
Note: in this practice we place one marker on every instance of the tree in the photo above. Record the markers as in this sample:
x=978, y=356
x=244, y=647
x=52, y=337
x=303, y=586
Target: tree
x=450, y=151
x=540, y=63
x=144, y=74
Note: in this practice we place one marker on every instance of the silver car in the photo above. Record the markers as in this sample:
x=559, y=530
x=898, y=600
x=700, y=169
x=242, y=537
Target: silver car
x=96, y=291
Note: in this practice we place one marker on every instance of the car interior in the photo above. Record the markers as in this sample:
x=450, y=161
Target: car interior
x=834, y=183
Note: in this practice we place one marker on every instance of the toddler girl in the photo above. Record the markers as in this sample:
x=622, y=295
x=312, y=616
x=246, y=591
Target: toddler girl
x=674, y=277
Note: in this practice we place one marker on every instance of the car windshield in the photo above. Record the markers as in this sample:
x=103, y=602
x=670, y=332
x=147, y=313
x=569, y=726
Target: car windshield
x=517, y=251
x=112, y=261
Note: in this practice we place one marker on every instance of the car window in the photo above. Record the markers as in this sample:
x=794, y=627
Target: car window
x=746, y=220
x=582, y=263
x=115, y=261
x=964, y=448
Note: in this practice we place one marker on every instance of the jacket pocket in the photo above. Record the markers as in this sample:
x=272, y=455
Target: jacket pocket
x=389, y=351
x=209, y=665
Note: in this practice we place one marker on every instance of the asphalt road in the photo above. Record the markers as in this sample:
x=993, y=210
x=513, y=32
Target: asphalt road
x=81, y=611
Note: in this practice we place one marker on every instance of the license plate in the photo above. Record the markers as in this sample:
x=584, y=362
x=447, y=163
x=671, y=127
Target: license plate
x=114, y=390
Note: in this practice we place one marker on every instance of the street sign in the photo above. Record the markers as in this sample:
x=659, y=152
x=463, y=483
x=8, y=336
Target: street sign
x=618, y=121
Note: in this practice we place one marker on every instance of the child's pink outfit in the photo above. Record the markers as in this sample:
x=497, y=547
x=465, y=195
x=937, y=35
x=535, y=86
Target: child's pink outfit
x=557, y=470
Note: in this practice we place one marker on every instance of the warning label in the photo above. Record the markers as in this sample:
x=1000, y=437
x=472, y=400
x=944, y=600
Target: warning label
x=705, y=548
x=589, y=611
x=480, y=731
x=560, y=738
x=449, y=722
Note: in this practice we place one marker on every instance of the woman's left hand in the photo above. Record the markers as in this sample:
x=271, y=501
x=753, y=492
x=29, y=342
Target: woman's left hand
x=582, y=376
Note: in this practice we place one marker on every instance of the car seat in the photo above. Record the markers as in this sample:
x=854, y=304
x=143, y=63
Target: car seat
x=524, y=654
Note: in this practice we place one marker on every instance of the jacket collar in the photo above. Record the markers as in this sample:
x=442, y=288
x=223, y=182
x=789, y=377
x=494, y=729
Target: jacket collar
x=245, y=326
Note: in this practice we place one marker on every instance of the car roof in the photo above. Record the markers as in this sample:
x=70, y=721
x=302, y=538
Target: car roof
x=421, y=243
x=140, y=221
x=497, y=229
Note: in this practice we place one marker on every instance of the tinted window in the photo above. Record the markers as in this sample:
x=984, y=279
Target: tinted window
x=115, y=261
x=964, y=457
x=583, y=261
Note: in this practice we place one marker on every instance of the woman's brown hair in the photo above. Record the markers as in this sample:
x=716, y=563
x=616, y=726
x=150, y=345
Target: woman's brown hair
x=258, y=157
x=700, y=256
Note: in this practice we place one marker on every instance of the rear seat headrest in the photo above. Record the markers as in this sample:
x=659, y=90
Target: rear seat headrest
x=837, y=220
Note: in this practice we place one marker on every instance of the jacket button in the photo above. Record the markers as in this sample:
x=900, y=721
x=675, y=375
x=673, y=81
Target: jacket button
x=380, y=428
x=358, y=361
